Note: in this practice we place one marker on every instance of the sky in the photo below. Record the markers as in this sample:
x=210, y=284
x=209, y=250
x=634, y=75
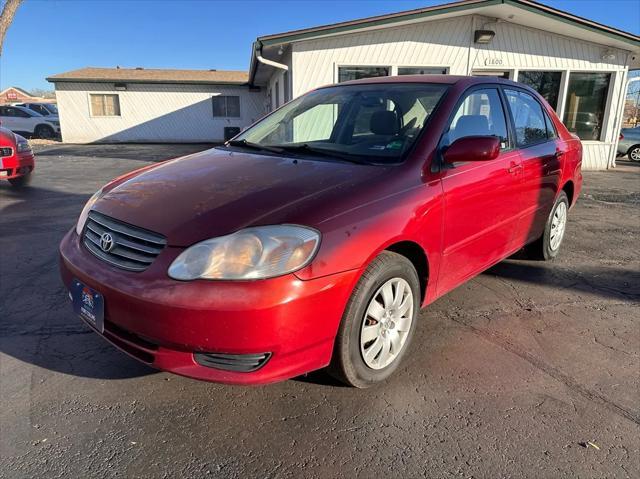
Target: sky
x=54, y=36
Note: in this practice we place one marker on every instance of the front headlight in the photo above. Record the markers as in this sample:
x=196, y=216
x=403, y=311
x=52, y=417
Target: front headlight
x=85, y=211
x=253, y=253
x=23, y=146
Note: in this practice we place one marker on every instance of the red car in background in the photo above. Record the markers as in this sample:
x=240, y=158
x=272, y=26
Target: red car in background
x=313, y=238
x=16, y=158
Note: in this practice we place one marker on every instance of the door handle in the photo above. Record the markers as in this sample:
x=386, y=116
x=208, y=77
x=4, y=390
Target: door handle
x=559, y=154
x=514, y=167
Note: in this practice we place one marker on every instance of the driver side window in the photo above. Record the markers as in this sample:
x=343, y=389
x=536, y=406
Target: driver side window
x=480, y=114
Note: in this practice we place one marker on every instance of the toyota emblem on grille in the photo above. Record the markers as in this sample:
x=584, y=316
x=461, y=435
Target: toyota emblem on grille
x=107, y=242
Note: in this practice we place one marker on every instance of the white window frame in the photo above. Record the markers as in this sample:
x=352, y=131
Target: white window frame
x=91, y=115
x=607, y=104
x=226, y=116
x=337, y=66
x=564, y=77
x=445, y=68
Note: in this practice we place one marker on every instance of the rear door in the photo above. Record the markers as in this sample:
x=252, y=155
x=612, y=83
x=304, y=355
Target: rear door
x=7, y=117
x=17, y=120
x=541, y=153
x=482, y=199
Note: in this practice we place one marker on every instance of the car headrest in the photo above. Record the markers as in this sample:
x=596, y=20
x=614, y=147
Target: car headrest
x=472, y=125
x=384, y=122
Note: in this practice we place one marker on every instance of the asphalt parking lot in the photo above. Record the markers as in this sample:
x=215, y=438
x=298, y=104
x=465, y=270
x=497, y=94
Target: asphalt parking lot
x=530, y=370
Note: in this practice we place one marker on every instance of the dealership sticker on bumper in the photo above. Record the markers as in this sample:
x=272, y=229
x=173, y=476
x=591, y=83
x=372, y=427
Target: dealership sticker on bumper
x=88, y=304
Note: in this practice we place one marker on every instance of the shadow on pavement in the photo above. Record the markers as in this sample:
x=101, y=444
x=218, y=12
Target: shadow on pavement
x=606, y=282
x=37, y=324
x=125, y=151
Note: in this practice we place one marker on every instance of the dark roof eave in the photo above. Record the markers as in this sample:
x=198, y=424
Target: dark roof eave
x=343, y=27
x=166, y=82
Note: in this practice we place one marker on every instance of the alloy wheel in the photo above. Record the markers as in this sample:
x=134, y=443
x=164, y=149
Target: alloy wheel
x=558, y=226
x=387, y=322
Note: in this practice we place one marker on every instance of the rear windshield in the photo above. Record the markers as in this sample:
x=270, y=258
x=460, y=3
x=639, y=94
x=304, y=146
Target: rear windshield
x=371, y=123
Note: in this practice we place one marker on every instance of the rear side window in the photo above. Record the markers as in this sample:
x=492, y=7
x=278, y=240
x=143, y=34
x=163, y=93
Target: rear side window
x=529, y=120
x=551, y=129
x=480, y=114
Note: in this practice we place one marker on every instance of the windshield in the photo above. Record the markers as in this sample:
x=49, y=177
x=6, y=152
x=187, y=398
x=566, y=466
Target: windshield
x=53, y=109
x=368, y=123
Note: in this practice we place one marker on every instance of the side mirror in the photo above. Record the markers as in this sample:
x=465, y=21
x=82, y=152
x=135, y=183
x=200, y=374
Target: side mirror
x=472, y=148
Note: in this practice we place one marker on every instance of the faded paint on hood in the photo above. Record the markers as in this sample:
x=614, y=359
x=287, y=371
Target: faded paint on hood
x=217, y=192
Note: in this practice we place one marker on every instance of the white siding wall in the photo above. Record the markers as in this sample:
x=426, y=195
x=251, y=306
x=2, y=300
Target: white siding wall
x=152, y=113
x=522, y=48
x=449, y=43
x=279, y=77
x=436, y=43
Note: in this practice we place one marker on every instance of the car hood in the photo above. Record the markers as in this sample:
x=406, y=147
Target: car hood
x=217, y=192
x=7, y=137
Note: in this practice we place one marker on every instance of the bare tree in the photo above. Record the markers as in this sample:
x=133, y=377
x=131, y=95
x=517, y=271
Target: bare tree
x=6, y=17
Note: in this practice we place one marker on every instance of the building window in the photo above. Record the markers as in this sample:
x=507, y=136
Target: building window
x=585, y=104
x=105, y=105
x=422, y=71
x=285, y=86
x=355, y=73
x=226, y=106
x=545, y=83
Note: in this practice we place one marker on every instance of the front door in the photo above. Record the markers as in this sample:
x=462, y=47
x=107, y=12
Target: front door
x=481, y=199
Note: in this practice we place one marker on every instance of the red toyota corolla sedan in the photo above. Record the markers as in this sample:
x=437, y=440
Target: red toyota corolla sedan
x=314, y=237
x=16, y=159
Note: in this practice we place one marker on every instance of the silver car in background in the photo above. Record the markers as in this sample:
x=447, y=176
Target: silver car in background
x=629, y=143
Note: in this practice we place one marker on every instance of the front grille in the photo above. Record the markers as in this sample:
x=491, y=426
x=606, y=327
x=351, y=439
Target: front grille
x=130, y=248
x=133, y=344
x=6, y=151
x=243, y=363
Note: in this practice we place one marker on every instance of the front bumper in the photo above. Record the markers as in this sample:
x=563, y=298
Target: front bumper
x=163, y=322
x=17, y=165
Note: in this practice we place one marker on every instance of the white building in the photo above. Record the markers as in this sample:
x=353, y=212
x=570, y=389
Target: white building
x=150, y=105
x=580, y=67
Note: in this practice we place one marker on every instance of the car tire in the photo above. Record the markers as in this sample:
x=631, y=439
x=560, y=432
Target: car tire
x=392, y=282
x=548, y=245
x=44, y=131
x=21, y=181
x=634, y=153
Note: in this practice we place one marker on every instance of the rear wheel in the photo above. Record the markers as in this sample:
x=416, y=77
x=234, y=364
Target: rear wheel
x=44, y=132
x=547, y=246
x=21, y=181
x=378, y=323
x=634, y=153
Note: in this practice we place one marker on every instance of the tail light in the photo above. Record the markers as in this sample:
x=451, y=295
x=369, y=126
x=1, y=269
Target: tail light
x=621, y=137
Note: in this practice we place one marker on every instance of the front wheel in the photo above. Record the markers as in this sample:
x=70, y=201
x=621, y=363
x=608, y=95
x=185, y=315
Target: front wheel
x=378, y=322
x=20, y=181
x=547, y=246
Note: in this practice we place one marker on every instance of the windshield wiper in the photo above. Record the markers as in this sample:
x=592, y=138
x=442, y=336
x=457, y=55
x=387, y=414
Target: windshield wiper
x=254, y=146
x=306, y=148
